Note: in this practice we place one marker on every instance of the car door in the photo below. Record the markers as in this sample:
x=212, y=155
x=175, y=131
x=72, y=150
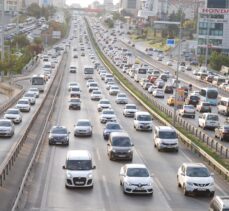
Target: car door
x=109, y=146
x=182, y=175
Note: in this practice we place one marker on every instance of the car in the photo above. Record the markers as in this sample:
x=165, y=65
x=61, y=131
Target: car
x=222, y=132
x=192, y=100
x=74, y=103
x=107, y=115
x=111, y=127
x=109, y=84
x=83, y=127
x=6, y=128
x=168, y=89
x=204, y=107
x=82, y=54
x=171, y=100
x=181, y=68
x=96, y=95
x=91, y=80
x=129, y=110
x=31, y=97
x=72, y=69
x=119, y=146
x=187, y=111
x=169, y=62
x=195, y=178
x=114, y=90
x=93, y=86
x=159, y=83
x=72, y=84
x=59, y=135
x=103, y=104
x=121, y=98
x=151, y=89
x=146, y=85
x=143, y=121
x=136, y=179
x=35, y=91
x=219, y=203
x=75, y=91
x=159, y=93
x=23, y=105
x=13, y=114
x=208, y=120
x=188, y=68
x=75, y=56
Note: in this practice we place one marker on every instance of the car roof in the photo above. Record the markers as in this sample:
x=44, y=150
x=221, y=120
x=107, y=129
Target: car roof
x=135, y=165
x=165, y=128
x=118, y=134
x=58, y=126
x=194, y=165
x=78, y=155
x=83, y=120
x=142, y=113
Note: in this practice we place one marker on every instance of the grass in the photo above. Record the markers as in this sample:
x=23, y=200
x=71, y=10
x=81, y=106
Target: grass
x=195, y=140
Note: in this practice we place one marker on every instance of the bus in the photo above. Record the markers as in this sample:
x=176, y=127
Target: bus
x=140, y=73
x=88, y=72
x=38, y=81
x=210, y=95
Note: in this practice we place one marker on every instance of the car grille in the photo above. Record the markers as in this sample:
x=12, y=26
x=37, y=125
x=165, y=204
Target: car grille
x=79, y=181
x=139, y=191
x=173, y=144
x=201, y=185
x=11, y=117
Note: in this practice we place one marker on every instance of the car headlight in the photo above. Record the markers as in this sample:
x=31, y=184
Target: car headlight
x=211, y=184
x=127, y=183
x=113, y=150
x=69, y=175
x=89, y=175
x=129, y=151
x=150, y=184
x=190, y=183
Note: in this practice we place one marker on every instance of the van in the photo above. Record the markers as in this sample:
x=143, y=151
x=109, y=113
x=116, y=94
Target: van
x=219, y=203
x=143, y=121
x=208, y=120
x=217, y=80
x=119, y=146
x=165, y=137
x=223, y=106
x=78, y=166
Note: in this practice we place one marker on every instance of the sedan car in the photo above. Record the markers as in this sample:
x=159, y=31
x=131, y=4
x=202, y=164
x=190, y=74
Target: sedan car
x=109, y=84
x=111, y=127
x=75, y=91
x=35, y=91
x=168, y=89
x=23, y=105
x=121, y=98
x=83, y=127
x=72, y=69
x=136, y=179
x=96, y=95
x=204, y=107
x=6, y=128
x=31, y=97
x=222, y=133
x=72, y=84
x=103, y=104
x=107, y=115
x=187, y=111
x=192, y=100
x=114, y=90
x=159, y=93
x=59, y=135
x=129, y=110
x=13, y=114
x=74, y=103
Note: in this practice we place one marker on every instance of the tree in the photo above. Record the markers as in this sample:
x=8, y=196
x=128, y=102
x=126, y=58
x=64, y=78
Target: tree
x=109, y=22
x=217, y=60
x=21, y=40
x=34, y=10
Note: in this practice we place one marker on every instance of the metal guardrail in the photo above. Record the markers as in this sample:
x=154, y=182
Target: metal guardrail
x=211, y=161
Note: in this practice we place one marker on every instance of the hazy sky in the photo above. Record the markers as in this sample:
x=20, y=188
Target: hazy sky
x=85, y=3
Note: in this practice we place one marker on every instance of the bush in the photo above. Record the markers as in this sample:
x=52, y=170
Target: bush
x=217, y=60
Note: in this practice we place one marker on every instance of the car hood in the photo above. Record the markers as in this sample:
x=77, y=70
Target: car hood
x=171, y=141
x=112, y=130
x=119, y=148
x=58, y=135
x=82, y=128
x=199, y=180
x=131, y=110
x=11, y=115
x=79, y=173
x=138, y=180
x=5, y=128
x=108, y=115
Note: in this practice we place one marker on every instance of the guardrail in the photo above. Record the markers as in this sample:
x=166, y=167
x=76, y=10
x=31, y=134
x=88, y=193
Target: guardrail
x=10, y=159
x=211, y=161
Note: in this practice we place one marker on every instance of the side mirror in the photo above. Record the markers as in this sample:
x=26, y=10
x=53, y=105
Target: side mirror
x=64, y=167
x=132, y=144
x=121, y=174
x=182, y=174
x=212, y=174
x=94, y=167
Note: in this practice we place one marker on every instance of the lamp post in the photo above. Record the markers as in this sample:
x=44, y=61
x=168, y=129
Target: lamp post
x=17, y=25
x=2, y=34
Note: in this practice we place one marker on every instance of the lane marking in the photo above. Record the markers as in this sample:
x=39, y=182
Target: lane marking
x=105, y=186
x=168, y=198
x=98, y=154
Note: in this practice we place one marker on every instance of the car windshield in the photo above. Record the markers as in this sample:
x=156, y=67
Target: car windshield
x=167, y=135
x=5, y=124
x=197, y=172
x=144, y=118
x=33, y=90
x=104, y=102
x=213, y=117
x=212, y=94
x=114, y=88
x=75, y=100
x=94, y=85
x=29, y=95
x=137, y=172
x=189, y=107
x=122, y=95
x=194, y=97
x=130, y=107
x=75, y=89
x=23, y=102
x=121, y=141
x=73, y=84
x=96, y=93
x=59, y=131
x=113, y=126
x=79, y=165
x=108, y=112
x=205, y=104
x=83, y=123
x=12, y=112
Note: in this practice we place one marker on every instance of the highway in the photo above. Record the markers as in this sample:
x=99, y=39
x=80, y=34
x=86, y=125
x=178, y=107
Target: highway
x=46, y=188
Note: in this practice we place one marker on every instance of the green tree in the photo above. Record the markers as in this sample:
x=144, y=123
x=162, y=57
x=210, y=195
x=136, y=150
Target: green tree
x=34, y=10
x=109, y=22
x=217, y=60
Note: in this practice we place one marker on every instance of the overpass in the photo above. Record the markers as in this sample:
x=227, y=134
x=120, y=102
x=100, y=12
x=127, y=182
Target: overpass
x=88, y=10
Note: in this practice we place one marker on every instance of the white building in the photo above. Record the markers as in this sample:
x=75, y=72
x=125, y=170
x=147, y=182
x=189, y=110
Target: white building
x=129, y=7
x=11, y=5
x=108, y=5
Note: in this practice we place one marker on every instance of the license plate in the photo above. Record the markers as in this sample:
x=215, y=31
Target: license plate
x=201, y=189
x=121, y=156
x=79, y=183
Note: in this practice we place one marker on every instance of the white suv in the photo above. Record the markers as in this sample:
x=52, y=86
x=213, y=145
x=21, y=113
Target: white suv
x=143, y=121
x=195, y=178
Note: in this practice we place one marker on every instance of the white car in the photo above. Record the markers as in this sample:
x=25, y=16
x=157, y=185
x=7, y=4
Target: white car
x=187, y=111
x=114, y=90
x=93, y=86
x=169, y=62
x=121, y=98
x=13, y=114
x=136, y=179
x=194, y=178
x=181, y=68
x=75, y=91
x=31, y=97
x=72, y=84
x=151, y=89
x=129, y=110
x=83, y=127
x=103, y=104
x=72, y=69
x=90, y=81
x=109, y=84
x=35, y=91
x=6, y=128
x=107, y=115
x=209, y=120
x=23, y=105
x=159, y=93
x=96, y=95
x=143, y=121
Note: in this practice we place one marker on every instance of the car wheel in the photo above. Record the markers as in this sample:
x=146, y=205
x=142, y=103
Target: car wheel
x=66, y=186
x=212, y=194
x=185, y=191
x=123, y=190
x=110, y=156
x=178, y=183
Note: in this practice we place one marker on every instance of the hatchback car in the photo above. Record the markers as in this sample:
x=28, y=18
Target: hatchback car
x=109, y=128
x=6, y=128
x=121, y=98
x=159, y=93
x=31, y=97
x=129, y=110
x=23, y=105
x=83, y=127
x=35, y=91
x=222, y=133
x=187, y=111
x=103, y=104
x=59, y=135
x=96, y=95
x=107, y=115
x=74, y=103
x=204, y=107
x=136, y=179
x=114, y=90
x=192, y=100
x=72, y=84
x=13, y=114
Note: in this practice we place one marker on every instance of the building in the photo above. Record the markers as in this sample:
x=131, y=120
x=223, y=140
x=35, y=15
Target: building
x=148, y=9
x=129, y=7
x=58, y=3
x=108, y=5
x=213, y=27
x=11, y=6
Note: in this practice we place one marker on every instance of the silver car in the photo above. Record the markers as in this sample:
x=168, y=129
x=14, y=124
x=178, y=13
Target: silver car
x=13, y=114
x=23, y=105
x=83, y=127
x=31, y=97
x=6, y=128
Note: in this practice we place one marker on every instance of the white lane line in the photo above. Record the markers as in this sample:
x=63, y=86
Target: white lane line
x=98, y=154
x=156, y=180
x=221, y=190
x=105, y=186
x=186, y=156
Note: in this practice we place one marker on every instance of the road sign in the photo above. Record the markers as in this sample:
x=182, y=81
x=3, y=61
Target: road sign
x=56, y=34
x=170, y=42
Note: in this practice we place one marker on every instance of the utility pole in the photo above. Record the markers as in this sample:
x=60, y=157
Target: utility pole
x=2, y=37
x=17, y=25
x=207, y=41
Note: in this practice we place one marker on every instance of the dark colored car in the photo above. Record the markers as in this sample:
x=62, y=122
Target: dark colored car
x=209, y=78
x=192, y=100
x=222, y=133
x=204, y=107
x=111, y=127
x=59, y=135
x=194, y=63
x=168, y=89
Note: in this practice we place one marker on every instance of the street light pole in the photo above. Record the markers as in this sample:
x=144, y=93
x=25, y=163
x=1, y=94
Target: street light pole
x=207, y=41
x=17, y=25
x=2, y=37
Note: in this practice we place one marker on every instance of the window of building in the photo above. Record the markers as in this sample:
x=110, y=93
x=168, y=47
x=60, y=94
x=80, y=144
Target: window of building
x=131, y=4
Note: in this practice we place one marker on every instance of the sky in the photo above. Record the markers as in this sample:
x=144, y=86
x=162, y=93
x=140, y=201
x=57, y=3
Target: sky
x=85, y=3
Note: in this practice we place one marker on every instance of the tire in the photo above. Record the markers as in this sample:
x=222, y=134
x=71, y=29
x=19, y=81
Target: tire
x=178, y=183
x=67, y=187
x=212, y=194
x=185, y=191
x=110, y=156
